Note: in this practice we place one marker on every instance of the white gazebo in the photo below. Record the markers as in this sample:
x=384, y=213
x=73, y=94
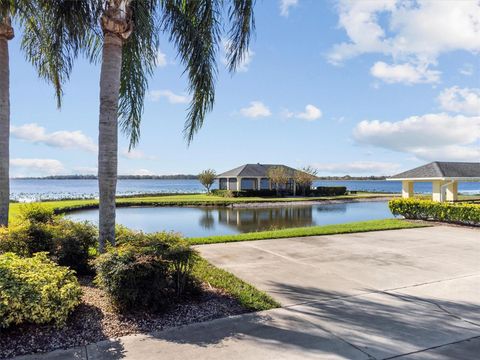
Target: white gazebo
x=444, y=177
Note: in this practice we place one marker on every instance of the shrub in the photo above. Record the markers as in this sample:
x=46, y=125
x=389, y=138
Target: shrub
x=72, y=244
x=459, y=213
x=146, y=271
x=35, y=290
x=329, y=191
x=222, y=193
x=67, y=242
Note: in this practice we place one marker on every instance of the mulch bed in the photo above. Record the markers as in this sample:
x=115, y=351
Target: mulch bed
x=95, y=319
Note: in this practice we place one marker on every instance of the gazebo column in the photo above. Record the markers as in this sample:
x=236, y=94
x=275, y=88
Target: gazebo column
x=437, y=191
x=239, y=183
x=452, y=191
x=259, y=183
x=407, y=189
x=228, y=183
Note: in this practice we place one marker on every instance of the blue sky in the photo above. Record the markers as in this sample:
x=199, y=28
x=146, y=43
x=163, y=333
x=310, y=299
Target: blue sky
x=361, y=88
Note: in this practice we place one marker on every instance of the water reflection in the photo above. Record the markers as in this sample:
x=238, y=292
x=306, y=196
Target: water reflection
x=248, y=220
x=198, y=221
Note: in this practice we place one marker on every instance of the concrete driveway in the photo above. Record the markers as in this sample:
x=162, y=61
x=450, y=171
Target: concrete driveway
x=408, y=294
x=386, y=294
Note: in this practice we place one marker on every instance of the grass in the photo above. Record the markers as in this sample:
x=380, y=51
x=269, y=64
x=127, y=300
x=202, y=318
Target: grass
x=247, y=295
x=363, y=226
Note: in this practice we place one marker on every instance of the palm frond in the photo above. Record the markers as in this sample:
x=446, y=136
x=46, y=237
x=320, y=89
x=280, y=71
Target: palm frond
x=194, y=28
x=138, y=62
x=242, y=21
x=54, y=33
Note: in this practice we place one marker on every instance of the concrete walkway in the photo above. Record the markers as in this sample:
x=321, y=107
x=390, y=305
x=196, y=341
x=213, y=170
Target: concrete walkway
x=408, y=294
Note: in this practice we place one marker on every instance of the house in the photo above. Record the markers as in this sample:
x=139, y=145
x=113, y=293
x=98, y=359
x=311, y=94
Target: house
x=444, y=177
x=253, y=177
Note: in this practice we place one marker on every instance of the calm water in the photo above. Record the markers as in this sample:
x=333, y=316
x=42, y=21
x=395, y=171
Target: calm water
x=193, y=222
x=29, y=190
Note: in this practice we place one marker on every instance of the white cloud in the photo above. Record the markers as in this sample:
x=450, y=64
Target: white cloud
x=62, y=139
x=358, y=168
x=255, y=110
x=161, y=60
x=135, y=154
x=311, y=113
x=414, y=32
x=461, y=100
x=285, y=6
x=421, y=29
x=404, y=73
x=172, y=98
x=467, y=69
x=428, y=137
x=35, y=167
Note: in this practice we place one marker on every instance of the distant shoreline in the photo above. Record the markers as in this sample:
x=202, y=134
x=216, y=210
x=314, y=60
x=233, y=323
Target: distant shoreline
x=187, y=177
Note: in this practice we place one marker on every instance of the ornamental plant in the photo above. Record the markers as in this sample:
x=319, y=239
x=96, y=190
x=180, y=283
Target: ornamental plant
x=146, y=271
x=36, y=290
x=459, y=213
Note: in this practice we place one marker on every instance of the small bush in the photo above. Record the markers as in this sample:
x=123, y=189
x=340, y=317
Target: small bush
x=459, y=213
x=146, y=271
x=67, y=242
x=35, y=290
x=222, y=193
x=72, y=244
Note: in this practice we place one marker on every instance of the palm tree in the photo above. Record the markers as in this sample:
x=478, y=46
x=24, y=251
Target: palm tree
x=131, y=30
x=52, y=36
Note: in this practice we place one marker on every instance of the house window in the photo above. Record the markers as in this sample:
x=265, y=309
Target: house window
x=265, y=184
x=223, y=184
x=248, y=184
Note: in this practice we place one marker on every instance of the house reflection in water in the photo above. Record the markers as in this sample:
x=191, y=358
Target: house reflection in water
x=257, y=219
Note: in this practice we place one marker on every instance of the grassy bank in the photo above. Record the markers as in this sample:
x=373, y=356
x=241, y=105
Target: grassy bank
x=183, y=200
x=247, y=295
x=363, y=226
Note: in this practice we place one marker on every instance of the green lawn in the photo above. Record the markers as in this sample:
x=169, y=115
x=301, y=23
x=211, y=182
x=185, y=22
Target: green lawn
x=363, y=226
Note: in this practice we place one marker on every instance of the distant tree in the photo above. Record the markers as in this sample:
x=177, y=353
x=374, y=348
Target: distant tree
x=305, y=177
x=207, y=178
x=278, y=176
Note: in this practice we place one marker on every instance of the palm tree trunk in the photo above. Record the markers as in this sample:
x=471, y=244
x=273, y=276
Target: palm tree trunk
x=4, y=131
x=108, y=136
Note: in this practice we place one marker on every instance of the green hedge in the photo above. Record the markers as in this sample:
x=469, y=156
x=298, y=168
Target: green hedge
x=35, y=290
x=458, y=213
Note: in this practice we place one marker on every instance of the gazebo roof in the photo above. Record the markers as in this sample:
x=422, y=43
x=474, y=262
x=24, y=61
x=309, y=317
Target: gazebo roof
x=442, y=170
x=254, y=170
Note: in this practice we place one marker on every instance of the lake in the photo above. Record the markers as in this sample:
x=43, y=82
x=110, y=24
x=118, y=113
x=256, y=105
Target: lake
x=46, y=189
x=208, y=221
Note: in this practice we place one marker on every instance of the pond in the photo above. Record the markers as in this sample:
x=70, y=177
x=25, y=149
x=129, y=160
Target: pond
x=208, y=221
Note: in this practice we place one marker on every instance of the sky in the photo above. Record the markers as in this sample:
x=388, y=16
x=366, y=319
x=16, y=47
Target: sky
x=348, y=87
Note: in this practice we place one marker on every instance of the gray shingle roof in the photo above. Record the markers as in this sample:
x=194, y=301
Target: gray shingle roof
x=254, y=170
x=440, y=169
